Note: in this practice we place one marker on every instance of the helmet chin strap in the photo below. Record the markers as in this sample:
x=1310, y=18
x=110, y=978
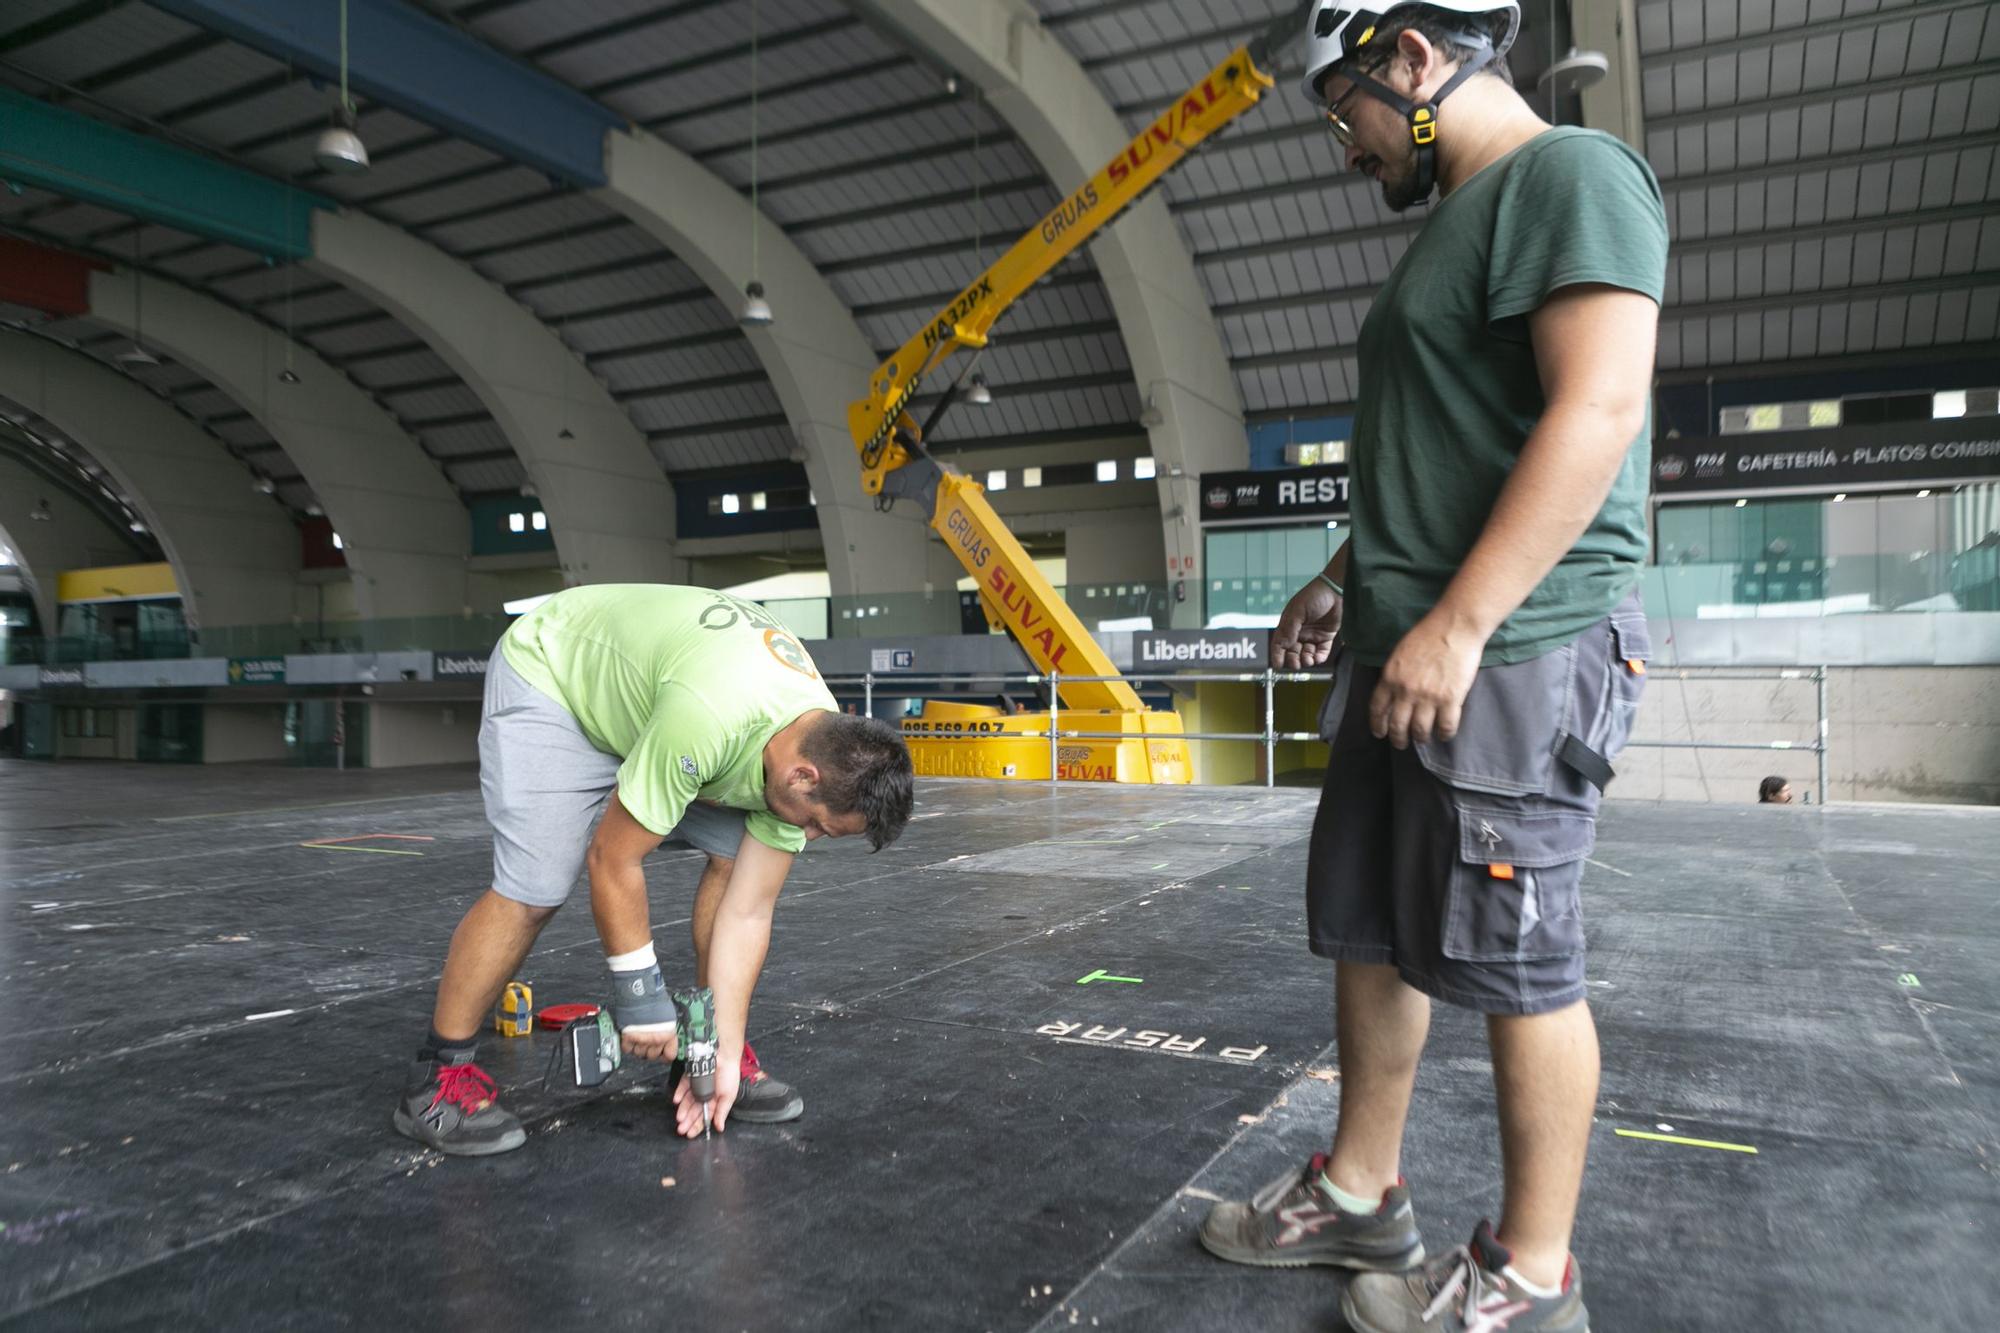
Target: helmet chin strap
x=1423, y=115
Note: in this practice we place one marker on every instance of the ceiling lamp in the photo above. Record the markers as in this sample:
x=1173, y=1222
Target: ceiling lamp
x=756, y=312
x=137, y=355
x=339, y=149
x=288, y=376
x=979, y=395
x=41, y=513
x=264, y=486
x=1574, y=72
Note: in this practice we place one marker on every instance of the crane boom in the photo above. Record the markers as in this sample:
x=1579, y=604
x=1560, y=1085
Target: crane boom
x=895, y=465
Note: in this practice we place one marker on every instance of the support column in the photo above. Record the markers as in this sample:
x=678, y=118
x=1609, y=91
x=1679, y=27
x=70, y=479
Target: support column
x=1182, y=370
x=610, y=507
x=406, y=534
x=814, y=352
x=234, y=553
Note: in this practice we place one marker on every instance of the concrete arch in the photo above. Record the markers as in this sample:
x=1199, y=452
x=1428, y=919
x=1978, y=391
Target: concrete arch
x=1177, y=356
x=610, y=507
x=405, y=532
x=74, y=536
x=816, y=356
x=234, y=553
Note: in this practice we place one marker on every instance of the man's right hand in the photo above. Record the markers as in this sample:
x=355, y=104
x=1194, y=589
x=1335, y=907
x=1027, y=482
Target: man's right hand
x=1306, y=631
x=650, y=1043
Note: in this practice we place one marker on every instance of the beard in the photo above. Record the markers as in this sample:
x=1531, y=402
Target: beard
x=1399, y=185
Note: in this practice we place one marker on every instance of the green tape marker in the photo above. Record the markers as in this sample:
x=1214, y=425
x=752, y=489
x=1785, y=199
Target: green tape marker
x=1101, y=975
x=1910, y=979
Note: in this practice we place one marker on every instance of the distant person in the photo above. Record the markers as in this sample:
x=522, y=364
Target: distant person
x=686, y=718
x=1774, y=790
x=1495, y=650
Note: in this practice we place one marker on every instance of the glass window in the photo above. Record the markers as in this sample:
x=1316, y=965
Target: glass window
x=758, y=500
x=1031, y=476
x=1107, y=470
x=517, y=522
x=541, y=521
x=996, y=480
x=1143, y=469
x=731, y=503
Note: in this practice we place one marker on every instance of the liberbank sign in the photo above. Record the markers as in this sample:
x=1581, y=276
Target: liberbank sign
x=1839, y=458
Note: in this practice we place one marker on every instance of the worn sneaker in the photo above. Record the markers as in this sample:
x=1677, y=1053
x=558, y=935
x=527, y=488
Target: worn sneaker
x=1293, y=1221
x=454, y=1109
x=1466, y=1291
x=763, y=1100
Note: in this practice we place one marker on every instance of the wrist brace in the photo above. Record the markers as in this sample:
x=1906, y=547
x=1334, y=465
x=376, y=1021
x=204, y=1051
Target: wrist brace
x=639, y=1000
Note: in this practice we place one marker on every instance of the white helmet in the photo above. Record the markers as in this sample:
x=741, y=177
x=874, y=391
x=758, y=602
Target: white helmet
x=1336, y=29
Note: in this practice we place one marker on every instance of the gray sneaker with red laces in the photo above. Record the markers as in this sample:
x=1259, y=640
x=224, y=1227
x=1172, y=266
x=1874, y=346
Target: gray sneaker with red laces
x=1293, y=1221
x=454, y=1107
x=1466, y=1291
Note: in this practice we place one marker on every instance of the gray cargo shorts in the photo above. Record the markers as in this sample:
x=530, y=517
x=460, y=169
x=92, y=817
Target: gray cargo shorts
x=545, y=785
x=1459, y=862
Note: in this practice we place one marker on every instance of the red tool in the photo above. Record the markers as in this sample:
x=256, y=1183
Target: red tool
x=559, y=1016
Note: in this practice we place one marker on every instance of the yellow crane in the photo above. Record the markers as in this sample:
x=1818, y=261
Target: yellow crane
x=976, y=740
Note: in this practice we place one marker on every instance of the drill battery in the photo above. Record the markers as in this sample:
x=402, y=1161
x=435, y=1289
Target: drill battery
x=516, y=1015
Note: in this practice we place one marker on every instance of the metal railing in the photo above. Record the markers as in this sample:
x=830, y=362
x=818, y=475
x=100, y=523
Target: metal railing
x=1817, y=746
x=1269, y=680
x=1270, y=735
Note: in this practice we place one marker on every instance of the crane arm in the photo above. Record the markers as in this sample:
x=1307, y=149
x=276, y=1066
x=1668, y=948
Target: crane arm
x=876, y=421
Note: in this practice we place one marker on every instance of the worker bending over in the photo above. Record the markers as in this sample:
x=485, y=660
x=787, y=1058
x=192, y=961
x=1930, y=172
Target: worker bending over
x=686, y=718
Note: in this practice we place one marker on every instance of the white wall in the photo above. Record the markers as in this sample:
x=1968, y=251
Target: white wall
x=404, y=734
x=236, y=733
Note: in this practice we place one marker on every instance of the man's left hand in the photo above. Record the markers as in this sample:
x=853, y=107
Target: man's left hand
x=687, y=1108
x=1425, y=683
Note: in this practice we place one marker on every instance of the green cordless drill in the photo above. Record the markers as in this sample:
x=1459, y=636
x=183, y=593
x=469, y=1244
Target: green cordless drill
x=697, y=1019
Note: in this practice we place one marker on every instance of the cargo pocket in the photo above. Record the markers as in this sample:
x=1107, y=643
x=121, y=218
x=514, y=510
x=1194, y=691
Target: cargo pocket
x=1508, y=729
x=1334, y=706
x=1514, y=886
x=1631, y=650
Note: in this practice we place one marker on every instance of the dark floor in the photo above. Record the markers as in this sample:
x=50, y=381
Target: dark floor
x=1819, y=984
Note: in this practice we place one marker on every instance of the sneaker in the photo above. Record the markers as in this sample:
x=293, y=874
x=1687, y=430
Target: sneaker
x=1466, y=1291
x=763, y=1100
x=1293, y=1221
x=454, y=1108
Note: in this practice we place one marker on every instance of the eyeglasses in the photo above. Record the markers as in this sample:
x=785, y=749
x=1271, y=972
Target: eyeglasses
x=1343, y=132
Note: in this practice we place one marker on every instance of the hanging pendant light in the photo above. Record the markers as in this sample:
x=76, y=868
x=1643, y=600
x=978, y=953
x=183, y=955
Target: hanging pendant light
x=339, y=149
x=756, y=311
x=136, y=354
x=979, y=395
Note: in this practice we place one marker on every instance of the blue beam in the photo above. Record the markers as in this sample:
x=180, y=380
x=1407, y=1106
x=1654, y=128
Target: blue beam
x=403, y=58
x=72, y=155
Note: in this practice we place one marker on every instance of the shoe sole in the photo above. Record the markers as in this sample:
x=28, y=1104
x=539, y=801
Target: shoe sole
x=1359, y=1325
x=791, y=1110
x=507, y=1142
x=1402, y=1263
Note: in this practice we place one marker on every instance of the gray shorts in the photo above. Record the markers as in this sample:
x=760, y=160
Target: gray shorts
x=545, y=785
x=1460, y=861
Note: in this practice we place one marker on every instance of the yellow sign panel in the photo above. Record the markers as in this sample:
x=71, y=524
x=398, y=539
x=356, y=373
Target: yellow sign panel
x=113, y=583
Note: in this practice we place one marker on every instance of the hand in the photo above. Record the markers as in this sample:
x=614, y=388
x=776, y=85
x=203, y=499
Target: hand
x=687, y=1110
x=1424, y=685
x=652, y=1042
x=1305, y=633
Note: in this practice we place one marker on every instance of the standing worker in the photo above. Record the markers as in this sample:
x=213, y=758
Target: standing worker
x=688, y=718
x=1494, y=653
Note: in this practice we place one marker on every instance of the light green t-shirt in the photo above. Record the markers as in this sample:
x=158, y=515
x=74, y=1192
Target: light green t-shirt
x=685, y=684
x=1449, y=389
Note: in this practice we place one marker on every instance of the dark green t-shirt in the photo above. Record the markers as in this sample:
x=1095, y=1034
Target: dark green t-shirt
x=1449, y=389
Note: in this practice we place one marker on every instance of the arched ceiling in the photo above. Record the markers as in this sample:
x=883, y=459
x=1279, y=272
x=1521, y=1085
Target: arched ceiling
x=1830, y=171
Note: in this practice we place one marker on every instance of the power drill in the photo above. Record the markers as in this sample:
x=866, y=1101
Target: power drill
x=697, y=1018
